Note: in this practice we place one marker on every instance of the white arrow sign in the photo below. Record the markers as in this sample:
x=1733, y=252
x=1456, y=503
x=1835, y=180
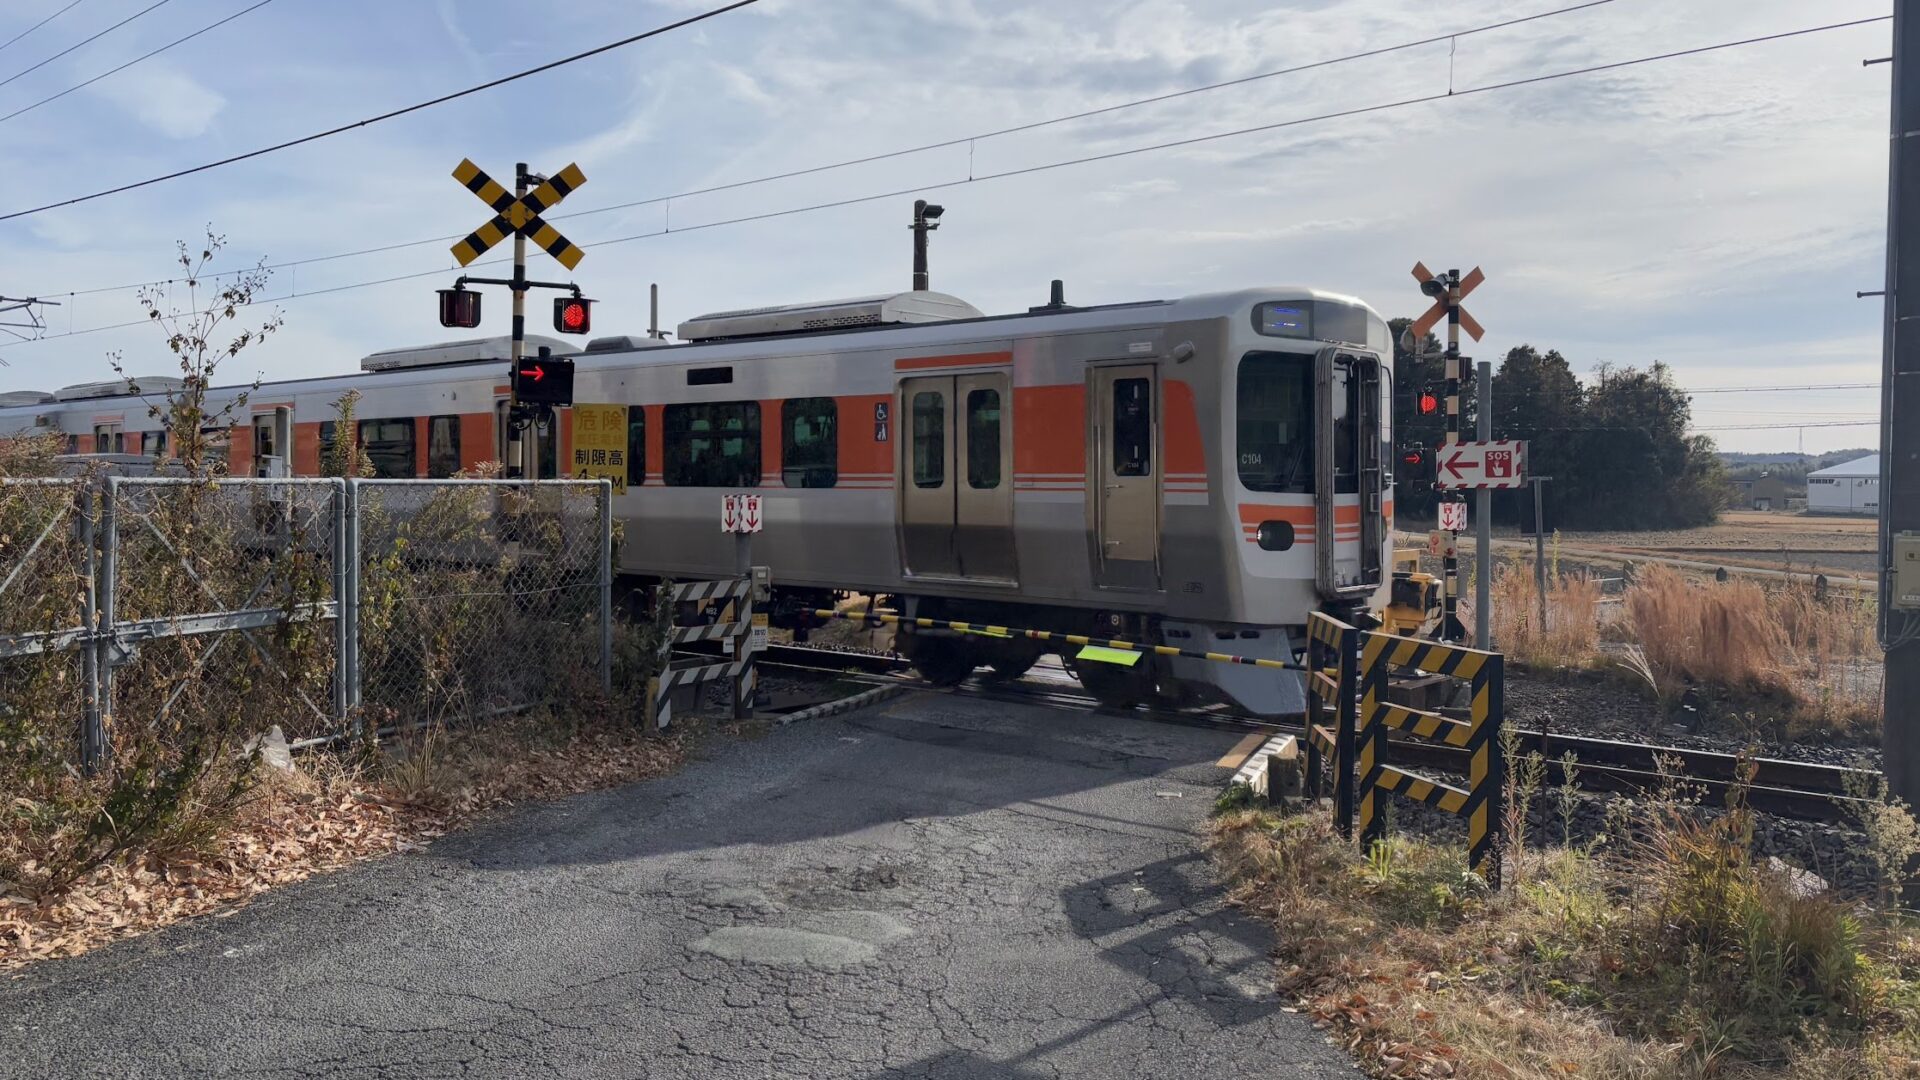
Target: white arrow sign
x=1501, y=463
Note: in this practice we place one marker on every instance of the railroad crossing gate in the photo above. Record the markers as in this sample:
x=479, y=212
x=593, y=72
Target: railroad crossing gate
x=521, y=215
x=1332, y=666
x=736, y=629
x=1483, y=802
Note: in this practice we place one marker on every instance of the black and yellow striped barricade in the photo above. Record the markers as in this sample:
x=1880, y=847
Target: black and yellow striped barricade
x=1483, y=803
x=1332, y=663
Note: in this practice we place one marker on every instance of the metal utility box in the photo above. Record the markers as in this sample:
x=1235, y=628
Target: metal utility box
x=1906, y=571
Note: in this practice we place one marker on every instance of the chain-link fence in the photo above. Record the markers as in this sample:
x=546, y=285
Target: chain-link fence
x=166, y=610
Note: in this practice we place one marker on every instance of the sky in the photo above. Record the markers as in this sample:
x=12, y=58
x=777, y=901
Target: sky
x=1715, y=212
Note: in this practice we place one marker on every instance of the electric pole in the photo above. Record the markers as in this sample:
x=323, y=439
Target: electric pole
x=1900, y=412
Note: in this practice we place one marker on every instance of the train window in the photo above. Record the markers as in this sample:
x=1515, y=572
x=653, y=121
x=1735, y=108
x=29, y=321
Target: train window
x=108, y=439
x=1132, y=427
x=389, y=445
x=713, y=444
x=929, y=439
x=809, y=442
x=1274, y=430
x=983, y=438
x=443, y=446
x=153, y=443
x=636, y=445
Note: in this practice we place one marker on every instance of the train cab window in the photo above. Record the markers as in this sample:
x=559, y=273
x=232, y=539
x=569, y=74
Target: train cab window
x=636, y=445
x=390, y=446
x=983, y=438
x=929, y=439
x=443, y=446
x=809, y=442
x=1274, y=431
x=713, y=444
x=1132, y=427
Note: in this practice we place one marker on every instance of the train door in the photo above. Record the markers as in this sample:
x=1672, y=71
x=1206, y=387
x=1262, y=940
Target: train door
x=1123, y=488
x=1349, y=467
x=956, y=477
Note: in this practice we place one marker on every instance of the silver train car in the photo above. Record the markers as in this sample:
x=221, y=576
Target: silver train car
x=1199, y=472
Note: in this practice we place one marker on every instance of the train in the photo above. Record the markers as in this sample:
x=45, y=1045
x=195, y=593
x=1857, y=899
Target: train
x=1200, y=472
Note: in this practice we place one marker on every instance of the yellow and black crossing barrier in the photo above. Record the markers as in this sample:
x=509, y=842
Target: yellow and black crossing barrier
x=1332, y=666
x=1483, y=802
x=882, y=618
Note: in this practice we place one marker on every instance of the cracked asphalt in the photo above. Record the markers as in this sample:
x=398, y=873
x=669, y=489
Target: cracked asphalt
x=938, y=887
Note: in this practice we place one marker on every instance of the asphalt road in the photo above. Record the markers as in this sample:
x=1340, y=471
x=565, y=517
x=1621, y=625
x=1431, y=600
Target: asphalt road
x=938, y=887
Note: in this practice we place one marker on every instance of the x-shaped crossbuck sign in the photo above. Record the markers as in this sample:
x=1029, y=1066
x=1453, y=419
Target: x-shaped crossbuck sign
x=1438, y=311
x=521, y=215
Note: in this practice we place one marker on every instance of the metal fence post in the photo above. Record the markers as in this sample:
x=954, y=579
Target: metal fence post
x=91, y=728
x=1316, y=663
x=1371, y=736
x=351, y=605
x=1487, y=772
x=1343, y=732
x=606, y=585
x=342, y=620
x=105, y=639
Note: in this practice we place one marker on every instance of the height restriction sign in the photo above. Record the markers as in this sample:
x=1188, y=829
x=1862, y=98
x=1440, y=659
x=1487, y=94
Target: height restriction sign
x=600, y=444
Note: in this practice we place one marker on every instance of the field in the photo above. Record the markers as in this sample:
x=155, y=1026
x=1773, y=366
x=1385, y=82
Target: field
x=1837, y=546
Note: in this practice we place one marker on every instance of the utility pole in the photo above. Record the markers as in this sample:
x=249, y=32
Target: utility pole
x=1483, y=522
x=926, y=218
x=1900, y=410
x=1450, y=628
x=516, y=423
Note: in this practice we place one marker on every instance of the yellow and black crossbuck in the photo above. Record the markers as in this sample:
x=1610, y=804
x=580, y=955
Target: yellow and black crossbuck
x=518, y=215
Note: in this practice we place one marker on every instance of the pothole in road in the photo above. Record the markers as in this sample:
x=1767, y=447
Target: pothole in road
x=827, y=940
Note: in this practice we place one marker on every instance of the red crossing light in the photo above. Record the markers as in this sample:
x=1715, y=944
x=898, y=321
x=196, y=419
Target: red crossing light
x=459, y=307
x=573, y=315
x=1429, y=403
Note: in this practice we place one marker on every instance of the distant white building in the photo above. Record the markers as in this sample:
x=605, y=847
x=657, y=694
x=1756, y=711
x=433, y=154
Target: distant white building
x=1849, y=488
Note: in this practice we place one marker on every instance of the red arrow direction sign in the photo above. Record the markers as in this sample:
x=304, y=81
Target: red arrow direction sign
x=537, y=372
x=1500, y=463
x=750, y=518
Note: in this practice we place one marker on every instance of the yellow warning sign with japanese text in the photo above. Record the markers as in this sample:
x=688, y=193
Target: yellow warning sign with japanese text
x=600, y=444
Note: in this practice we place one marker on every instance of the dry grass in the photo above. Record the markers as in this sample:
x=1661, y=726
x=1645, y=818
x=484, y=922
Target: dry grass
x=1786, y=644
x=1571, y=634
x=328, y=814
x=1675, y=957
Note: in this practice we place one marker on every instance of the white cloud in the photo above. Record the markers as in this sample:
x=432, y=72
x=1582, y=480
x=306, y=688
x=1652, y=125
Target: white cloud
x=167, y=100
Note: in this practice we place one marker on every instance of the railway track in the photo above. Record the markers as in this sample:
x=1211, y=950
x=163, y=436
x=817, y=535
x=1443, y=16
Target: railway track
x=1798, y=789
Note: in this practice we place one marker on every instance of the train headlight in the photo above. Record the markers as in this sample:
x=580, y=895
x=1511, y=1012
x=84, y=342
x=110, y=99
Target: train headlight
x=1274, y=535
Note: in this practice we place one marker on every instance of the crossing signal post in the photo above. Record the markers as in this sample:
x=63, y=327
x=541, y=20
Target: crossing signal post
x=1447, y=290
x=518, y=215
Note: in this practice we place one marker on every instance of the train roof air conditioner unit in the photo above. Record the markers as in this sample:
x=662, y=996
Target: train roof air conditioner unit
x=497, y=349
x=24, y=397
x=144, y=384
x=892, y=309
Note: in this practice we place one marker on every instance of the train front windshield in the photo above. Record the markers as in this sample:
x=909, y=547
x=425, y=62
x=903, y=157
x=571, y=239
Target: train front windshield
x=1274, y=442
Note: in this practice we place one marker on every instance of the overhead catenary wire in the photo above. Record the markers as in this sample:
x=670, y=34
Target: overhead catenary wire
x=70, y=6
x=84, y=42
x=145, y=56
x=868, y=159
x=389, y=115
x=1066, y=163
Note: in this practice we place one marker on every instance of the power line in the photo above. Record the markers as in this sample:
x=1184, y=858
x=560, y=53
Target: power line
x=974, y=179
x=1788, y=427
x=96, y=37
x=135, y=60
x=925, y=147
x=41, y=23
x=441, y=100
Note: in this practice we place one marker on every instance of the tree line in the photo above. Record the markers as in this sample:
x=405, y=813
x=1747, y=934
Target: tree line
x=1616, y=445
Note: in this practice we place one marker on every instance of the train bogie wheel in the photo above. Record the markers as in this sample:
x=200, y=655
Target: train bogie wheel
x=941, y=662
x=1115, y=686
x=1010, y=661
